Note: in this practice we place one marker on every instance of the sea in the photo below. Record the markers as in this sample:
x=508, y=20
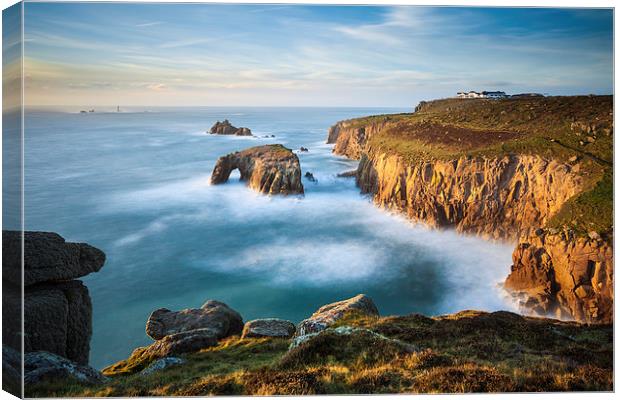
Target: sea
x=135, y=184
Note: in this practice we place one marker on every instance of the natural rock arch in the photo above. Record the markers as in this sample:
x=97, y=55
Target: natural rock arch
x=271, y=169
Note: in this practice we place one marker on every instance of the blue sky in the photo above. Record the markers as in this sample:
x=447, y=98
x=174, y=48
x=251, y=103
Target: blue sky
x=258, y=55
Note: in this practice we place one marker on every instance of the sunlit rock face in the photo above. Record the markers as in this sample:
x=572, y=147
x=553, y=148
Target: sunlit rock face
x=560, y=275
x=270, y=169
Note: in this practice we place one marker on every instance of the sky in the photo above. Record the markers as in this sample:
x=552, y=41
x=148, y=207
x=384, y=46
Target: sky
x=295, y=55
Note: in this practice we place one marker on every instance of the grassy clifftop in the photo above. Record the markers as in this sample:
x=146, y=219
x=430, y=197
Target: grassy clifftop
x=465, y=352
x=576, y=129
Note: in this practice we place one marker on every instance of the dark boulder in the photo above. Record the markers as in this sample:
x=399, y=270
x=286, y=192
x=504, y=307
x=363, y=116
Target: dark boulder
x=268, y=327
x=216, y=316
x=47, y=258
x=42, y=366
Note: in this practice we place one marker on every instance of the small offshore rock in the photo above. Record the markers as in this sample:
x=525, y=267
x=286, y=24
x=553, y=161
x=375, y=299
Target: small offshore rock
x=330, y=313
x=268, y=327
x=226, y=128
x=43, y=366
x=216, y=316
x=161, y=364
x=310, y=176
x=303, y=149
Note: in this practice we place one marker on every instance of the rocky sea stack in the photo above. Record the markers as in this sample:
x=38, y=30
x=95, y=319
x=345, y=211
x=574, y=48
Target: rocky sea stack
x=270, y=169
x=226, y=128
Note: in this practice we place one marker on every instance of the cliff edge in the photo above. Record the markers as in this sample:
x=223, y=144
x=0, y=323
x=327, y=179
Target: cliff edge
x=504, y=169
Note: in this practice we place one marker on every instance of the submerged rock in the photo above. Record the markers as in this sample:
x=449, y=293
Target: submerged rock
x=226, y=128
x=268, y=327
x=303, y=149
x=43, y=366
x=330, y=313
x=270, y=169
x=217, y=317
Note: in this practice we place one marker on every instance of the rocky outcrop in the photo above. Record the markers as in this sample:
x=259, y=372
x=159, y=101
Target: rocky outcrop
x=268, y=327
x=560, y=275
x=497, y=197
x=331, y=313
x=181, y=332
x=350, y=136
x=57, y=309
x=48, y=258
x=42, y=366
x=270, y=169
x=226, y=128
x=215, y=316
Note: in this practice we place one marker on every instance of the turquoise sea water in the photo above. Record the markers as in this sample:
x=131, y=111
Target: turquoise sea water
x=136, y=185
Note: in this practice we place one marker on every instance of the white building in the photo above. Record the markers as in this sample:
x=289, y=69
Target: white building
x=481, y=95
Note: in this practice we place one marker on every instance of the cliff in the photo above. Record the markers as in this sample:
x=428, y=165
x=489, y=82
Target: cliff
x=469, y=351
x=270, y=169
x=501, y=170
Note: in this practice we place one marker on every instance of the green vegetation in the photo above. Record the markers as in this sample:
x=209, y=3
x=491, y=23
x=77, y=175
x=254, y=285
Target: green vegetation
x=561, y=128
x=465, y=352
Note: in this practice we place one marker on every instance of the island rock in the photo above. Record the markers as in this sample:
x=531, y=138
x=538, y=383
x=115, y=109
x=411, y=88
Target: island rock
x=270, y=169
x=226, y=128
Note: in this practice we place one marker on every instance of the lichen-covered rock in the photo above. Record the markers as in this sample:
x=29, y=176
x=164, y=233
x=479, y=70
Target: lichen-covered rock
x=42, y=366
x=270, y=169
x=268, y=327
x=162, y=363
x=226, y=128
x=565, y=276
x=330, y=313
x=47, y=258
x=216, y=316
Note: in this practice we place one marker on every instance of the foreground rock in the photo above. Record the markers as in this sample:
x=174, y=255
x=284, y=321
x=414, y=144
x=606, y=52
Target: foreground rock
x=57, y=310
x=217, y=317
x=557, y=274
x=42, y=366
x=268, y=327
x=226, y=128
x=270, y=169
x=47, y=258
x=330, y=313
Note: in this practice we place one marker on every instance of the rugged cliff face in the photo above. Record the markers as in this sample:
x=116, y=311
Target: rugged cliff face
x=504, y=170
x=270, y=169
x=564, y=276
x=496, y=198
x=350, y=137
